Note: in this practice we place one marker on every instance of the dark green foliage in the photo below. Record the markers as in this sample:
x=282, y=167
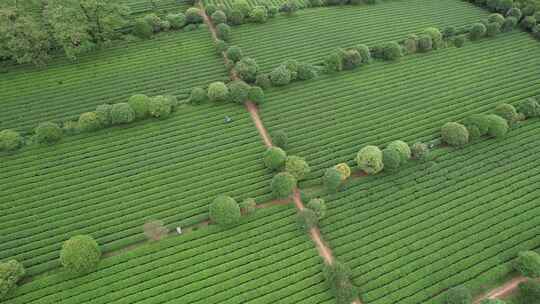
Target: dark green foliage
x=449, y=32
x=529, y=107
x=177, y=21
x=528, y=23
x=528, y=10
x=410, y=44
x=221, y=46
x=247, y=69
x=210, y=9
x=458, y=295
x=498, y=126
x=419, y=151
x=318, y=206
x=392, y=51
x=493, y=29
x=193, y=15
x=263, y=81
x=297, y=167
x=306, y=71
x=497, y=18
x=504, y=6
x=272, y=11
x=364, y=52
x=425, y=43
x=507, y=111
x=198, y=95
x=529, y=292
x=292, y=66
x=140, y=104
x=256, y=95
x=10, y=140
x=236, y=17
x=350, y=59
x=509, y=24
x=536, y=31
x=160, y=107
x=103, y=113
x=477, y=125
x=333, y=62
x=332, y=179
x=403, y=149
x=224, y=211
x=248, y=206
x=218, y=92
x=391, y=159
x=241, y=6
x=223, y=32
x=122, y=113
x=455, y=134
x=459, y=41
x=259, y=14
x=528, y=264
x=275, y=158
x=283, y=185
x=48, y=133
x=142, y=29
x=238, y=91
x=234, y=53
x=280, y=76
x=10, y=273
x=219, y=17
x=436, y=37
x=492, y=4
x=89, y=122
x=280, y=139
x=492, y=301
x=478, y=30
x=289, y=8
x=80, y=255
x=515, y=12
x=338, y=278
x=307, y=219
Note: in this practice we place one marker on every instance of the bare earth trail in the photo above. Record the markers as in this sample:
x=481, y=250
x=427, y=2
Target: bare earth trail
x=502, y=291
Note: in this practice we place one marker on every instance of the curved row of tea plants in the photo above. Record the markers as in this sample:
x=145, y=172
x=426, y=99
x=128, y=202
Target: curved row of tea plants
x=327, y=120
x=411, y=235
x=108, y=183
x=265, y=259
x=170, y=64
x=314, y=33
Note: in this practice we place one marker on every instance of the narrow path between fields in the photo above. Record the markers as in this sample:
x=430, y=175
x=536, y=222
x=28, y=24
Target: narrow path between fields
x=502, y=291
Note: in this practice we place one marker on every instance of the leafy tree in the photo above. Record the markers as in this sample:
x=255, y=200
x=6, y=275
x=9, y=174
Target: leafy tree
x=509, y=24
x=364, y=52
x=392, y=51
x=10, y=273
x=391, y=159
x=492, y=301
x=529, y=292
x=338, y=278
x=280, y=76
x=306, y=71
x=332, y=179
x=508, y=112
x=242, y=6
x=283, y=185
x=236, y=17
x=492, y=29
x=234, y=53
x=307, y=219
x=10, y=140
x=528, y=264
x=449, y=32
x=80, y=254
x=425, y=43
x=238, y=91
x=193, y=16
x=48, y=133
x=224, y=211
x=497, y=18
x=248, y=206
x=370, y=159
x=223, y=32
x=529, y=108
x=403, y=149
x=263, y=81
x=498, y=126
x=411, y=44
x=177, y=21
x=459, y=41
x=142, y=29
x=259, y=14
x=198, y=95
x=247, y=69
x=256, y=95
x=122, y=113
x=334, y=62
x=351, y=59
x=219, y=17
x=505, y=5
x=297, y=167
x=436, y=37
x=478, y=30
x=420, y=151
x=289, y=8
x=477, y=125
x=515, y=12
x=140, y=103
x=280, y=139
x=318, y=206
x=275, y=158
x=528, y=23
x=458, y=295
x=89, y=122
x=160, y=107
x=218, y=91
x=103, y=113
x=344, y=169
x=455, y=134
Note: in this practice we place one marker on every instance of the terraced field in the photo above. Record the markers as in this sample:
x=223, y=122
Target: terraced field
x=314, y=33
x=329, y=119
x=171, y=63
x=411, y=235
x=108, y=183
x=266, y=259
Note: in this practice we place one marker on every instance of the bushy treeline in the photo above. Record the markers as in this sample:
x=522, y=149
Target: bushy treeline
x=240, y=12
x=136, y=108
x=145, y=27
x=495, y=125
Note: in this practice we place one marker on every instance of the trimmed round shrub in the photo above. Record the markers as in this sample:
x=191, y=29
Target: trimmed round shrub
x=391, y=159
x=507, y=111
x=234, y=53
x=263, y=81
x=218, y=92
x=458, y=295
x=242, y=6
x=224, y=211
x=332, y=179
x=280, y=76
x=515, y=12
x=498, y=126
x=103, y=113
x=509, y=24
x=306, y=71
x=80, y=254
x=370, y=159
x=492, y=4
x=425, y=43
x=492, y=301
x=333, y=62
x=529, y=107
x=529, y=292
x=210, y=9
x=223, y=32
x=493, y=29
x=420, y=151
x=122, y=113
x=140, y=104
x=364, y=52
x=219, y=17
x=248, y=206
x=478, y=30
x=236, y=17
x=436, y=37
x=344, y=169
x=459, y=41
x=477, y=125
x=283, y=185
x=338, y=278
x=160, y=107
x=455, y=134
x=193, y=15
x=498, y=18
x=221, y=46
x=403, y=149
x=307, y=219
x=528, y=10
x=256, y=95
x=142, y=29
x=177, y=21
x=247, y=69
x=154, y=21
x=10, y=273
x=528, y=23
x=89, y=122
x=238, y=91
x=297, y=167
x=411, y=44
x=528, y=264
x=449, y=32
x=392, y=51
x=198, y=95
x=351, y=59
x=280, y=139
x=289, y=8
x=318, y=206
x=48, y=133
x=292, y=66
x=275, y=158
x=10, y=140
x=259, y=14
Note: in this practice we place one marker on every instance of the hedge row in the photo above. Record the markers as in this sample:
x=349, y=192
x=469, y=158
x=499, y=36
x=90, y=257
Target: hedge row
x=145, y=27
x=240, y=13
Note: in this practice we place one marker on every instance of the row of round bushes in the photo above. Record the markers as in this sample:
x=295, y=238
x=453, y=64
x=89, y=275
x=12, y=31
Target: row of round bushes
x=145, y=27
x=240, y=13
x=494, y=125
x=292, y=169
x=138, y=107
x=237, y=91
x=226, y=212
